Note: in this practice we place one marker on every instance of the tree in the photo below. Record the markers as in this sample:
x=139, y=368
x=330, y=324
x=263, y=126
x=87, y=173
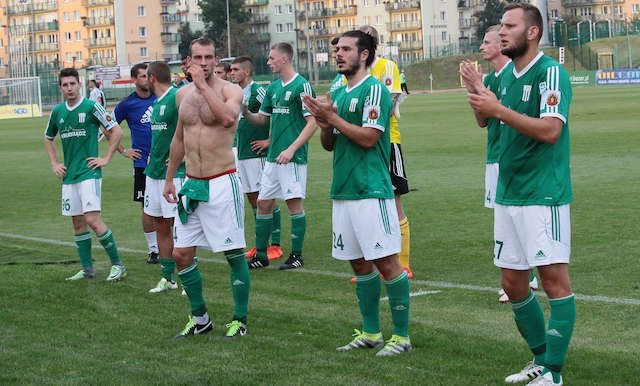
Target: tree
x=186, y=36
x=490, y=15
x=214, y=15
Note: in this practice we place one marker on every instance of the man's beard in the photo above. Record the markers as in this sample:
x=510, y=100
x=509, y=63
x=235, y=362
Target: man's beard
x=519, y=49
x=350, y=71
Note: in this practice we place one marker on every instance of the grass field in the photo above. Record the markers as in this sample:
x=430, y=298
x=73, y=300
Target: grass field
x=94, y=332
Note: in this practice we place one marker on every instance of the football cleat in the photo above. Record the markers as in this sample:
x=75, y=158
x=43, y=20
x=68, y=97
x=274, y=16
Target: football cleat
x=251, y=253
x=153, y=258
x=82, y=274
x=396, y=345
x=545, y=379
x=409, y=272
x=192, y=328
x=363, y=340
x=117, y=272
x=274, y=252
x=294, y=261
x=503, y=297
x=235, y=328
x=255, y=263
x=530, y=372
x=163, y=285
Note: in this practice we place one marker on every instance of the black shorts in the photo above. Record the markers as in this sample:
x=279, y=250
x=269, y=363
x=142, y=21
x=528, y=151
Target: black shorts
x=139, y=183
x=398, y=175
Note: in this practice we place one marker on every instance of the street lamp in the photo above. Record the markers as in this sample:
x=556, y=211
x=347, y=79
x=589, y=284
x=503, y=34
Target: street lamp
x=228, y=33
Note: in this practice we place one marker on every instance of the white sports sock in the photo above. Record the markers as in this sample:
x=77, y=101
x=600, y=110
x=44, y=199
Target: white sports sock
x=152, y=241
x=204, y=319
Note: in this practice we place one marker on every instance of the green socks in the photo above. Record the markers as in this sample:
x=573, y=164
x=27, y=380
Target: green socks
x=191, y=279
x=83, y=245
x=529, y=319
x=109, y=244
x=368, y=292
x=298, y=230
x=561, y=322
x=263, y=230
x=276, y=225
x=240, y=283
x=398, y=293
x=168, y=266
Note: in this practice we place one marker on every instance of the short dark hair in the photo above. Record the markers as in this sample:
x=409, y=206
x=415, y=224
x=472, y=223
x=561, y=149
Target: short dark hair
x=225, y=66
x=335, y=40
x=532, y=15
x=245, y=61
x=284, y=48
x=95, y=83
x=136, y=67
x=161, y=71
x=202, y=41
x=365, y=42
x=371, y=31
x=65, y=72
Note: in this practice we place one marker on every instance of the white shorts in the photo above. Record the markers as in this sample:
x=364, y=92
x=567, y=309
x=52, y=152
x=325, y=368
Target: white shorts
x=366, y=228
x=155, y=205
x=218, y=224
x=250, y=171
x=491, y=184
x=531, y=236
x=283, y=181
x=81, y=197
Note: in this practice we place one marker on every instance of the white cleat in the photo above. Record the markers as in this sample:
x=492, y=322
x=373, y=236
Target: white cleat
x=530, y=372
x=163, y=286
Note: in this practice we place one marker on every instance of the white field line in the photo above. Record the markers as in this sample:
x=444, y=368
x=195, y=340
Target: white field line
x=436, y=284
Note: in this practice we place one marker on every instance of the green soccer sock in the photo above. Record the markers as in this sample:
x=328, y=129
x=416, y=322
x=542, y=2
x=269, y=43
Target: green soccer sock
x=240, y=283
x=298, y=230
x=168, y=266
x=398, y=292
x=529, y=319
x=531, y=276
x=83, y=245
x=109, y=244
x=276, y=226
x=191, y=279
x=368, y=292
x=561, y=322
x=263, y=229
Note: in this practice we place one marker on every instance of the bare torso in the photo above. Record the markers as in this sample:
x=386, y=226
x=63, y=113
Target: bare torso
x=207, y=142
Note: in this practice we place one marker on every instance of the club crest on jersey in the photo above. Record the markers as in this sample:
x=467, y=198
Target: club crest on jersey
x=287, y=95
x=162, y=108
x=526, y=92
x=387, y=81
x=108, y=117
x=82, y=117
x=552, y=98
x=373, y=113
x=353, y=104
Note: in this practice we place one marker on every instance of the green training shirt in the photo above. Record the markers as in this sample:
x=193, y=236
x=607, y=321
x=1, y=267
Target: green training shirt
x=492, y=82
x=283, y=103
x=164, y=120
x=248, y=132
x=78, y=127
x=360, y=173
x=533, y=172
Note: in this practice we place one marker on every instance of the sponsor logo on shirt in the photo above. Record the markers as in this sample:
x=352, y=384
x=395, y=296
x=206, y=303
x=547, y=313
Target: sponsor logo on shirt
x=146, y=117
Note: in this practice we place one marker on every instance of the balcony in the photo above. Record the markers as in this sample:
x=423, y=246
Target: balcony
x=402, y=5
x=29, y=8
x=44, y=47
x=350, y=10
x=100, y=42
x=464, y=4
x=98, y=21
x=168, y=1
x=259, y=19
x=404, y=25
x=170, y=18
x=466, y=23
x=44, y=27
x=169, y=38
x=102, y=61
x=97, y=3
x=580, y=3
x=411, y=45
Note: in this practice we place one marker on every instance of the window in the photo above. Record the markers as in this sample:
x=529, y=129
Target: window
x=444, y=36
x=365, y=3
x=66, y=17
x=279, y=28
x=289, y=8
x=76, y=15
x=143, y=52
x=378, y=2
x=141, y=11
x=278, y=10
x=554, y=13
x=366, y=19
x=78, y=36
x=289, y=27
x=378, y=20
x=604, y=10
x=142, y=31
x=78, y=55
x=67, y=56
x=635, y=8
x=443, y=15
x=67, y=36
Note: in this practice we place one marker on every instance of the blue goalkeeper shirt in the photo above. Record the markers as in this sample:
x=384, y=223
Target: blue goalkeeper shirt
x=137, y=112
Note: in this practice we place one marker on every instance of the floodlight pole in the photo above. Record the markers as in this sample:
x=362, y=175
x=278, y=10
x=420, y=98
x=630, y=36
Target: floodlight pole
x=228, y=33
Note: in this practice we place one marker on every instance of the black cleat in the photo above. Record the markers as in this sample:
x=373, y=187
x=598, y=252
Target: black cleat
x=255, y=263
x=294, y=261
x=192, y=328
x=153, y=258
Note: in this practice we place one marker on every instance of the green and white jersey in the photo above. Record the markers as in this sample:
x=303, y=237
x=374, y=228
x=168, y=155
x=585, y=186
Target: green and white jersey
x=360, y=173
x=248, y=132
x=492, y=82
x=78, y=127
x=283, y=103
x=164, y=120
x=337, y=82
x=533, y=172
